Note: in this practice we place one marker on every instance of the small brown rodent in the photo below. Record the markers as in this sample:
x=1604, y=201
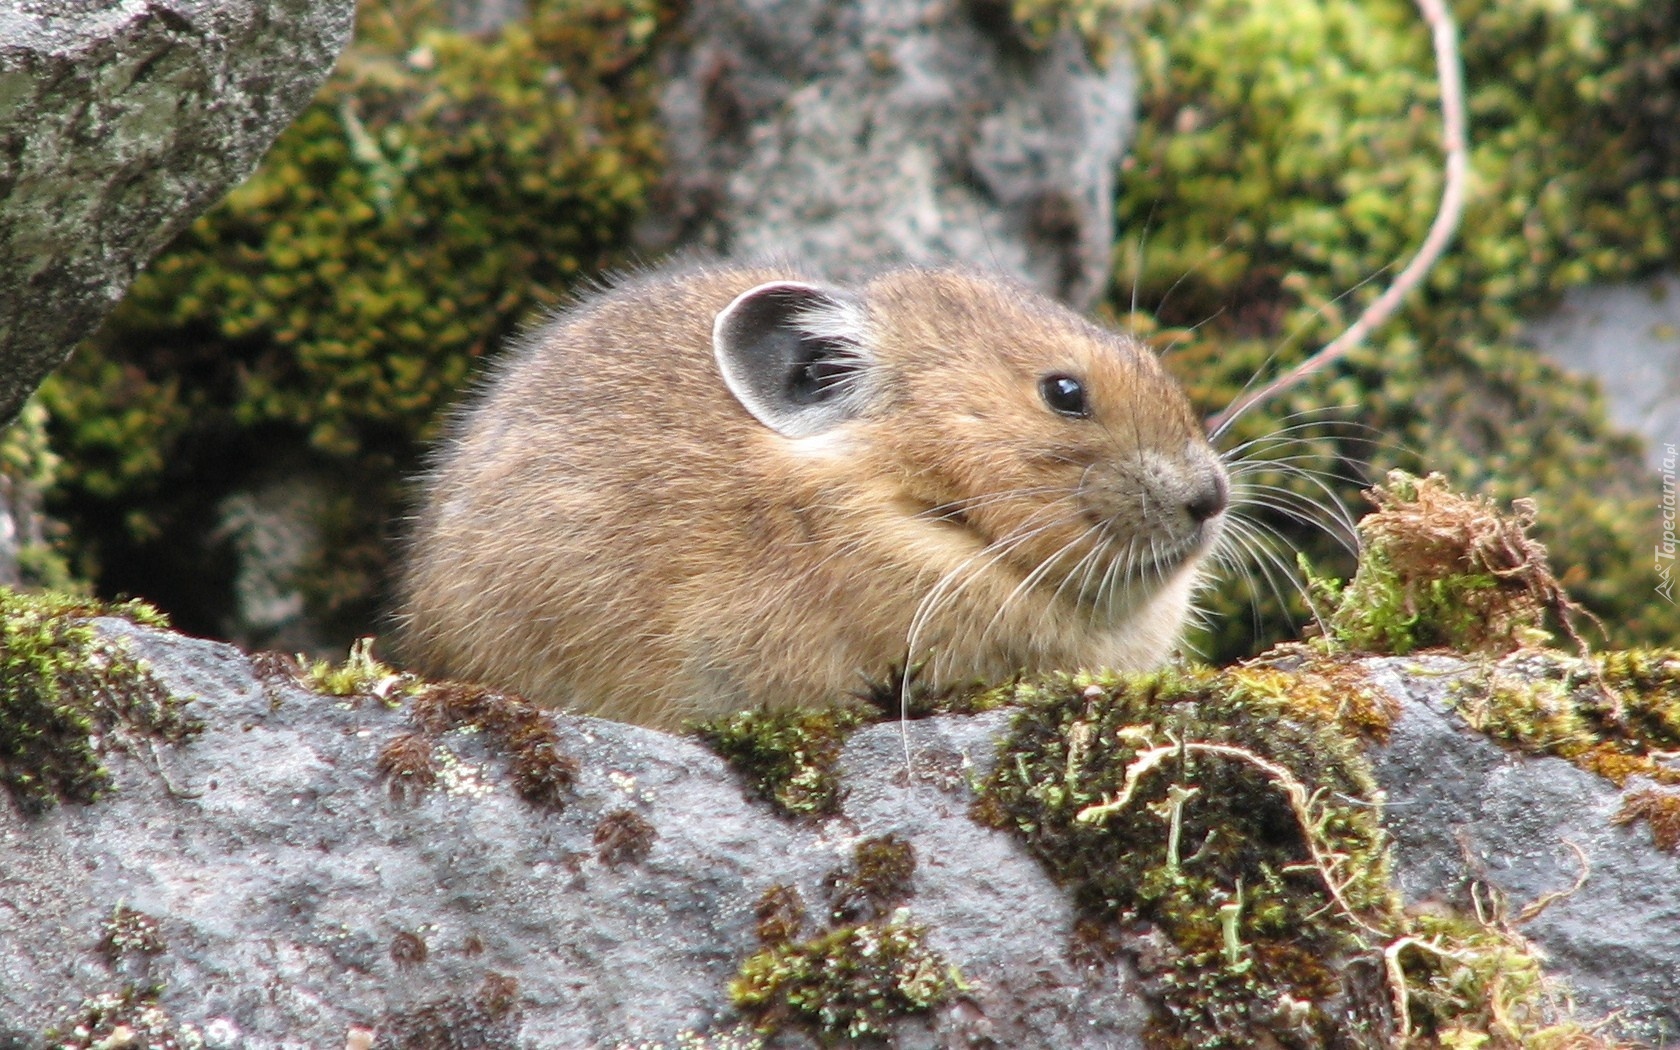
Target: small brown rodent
x=717, y=488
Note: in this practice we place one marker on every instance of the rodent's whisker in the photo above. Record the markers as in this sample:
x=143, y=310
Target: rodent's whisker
x=1258, y=546
x=1033, y=578
x=1331, y=517
x=994, y=553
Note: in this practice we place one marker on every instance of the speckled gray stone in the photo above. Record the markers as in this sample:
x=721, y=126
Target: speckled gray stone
x=121, y=120
x=281, y=872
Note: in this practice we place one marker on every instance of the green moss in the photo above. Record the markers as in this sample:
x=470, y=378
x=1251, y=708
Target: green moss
x=1287, y=153
x=1440, y=569
x=359, y=675
x=1209, y=807
x=1222, y=828
x=790, y=758
x=869, y=966
x=849, y=983
x=66, y=693
x=442, y=190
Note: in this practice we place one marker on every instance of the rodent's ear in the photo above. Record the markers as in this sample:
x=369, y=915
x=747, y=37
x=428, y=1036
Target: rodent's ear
x=794, y=355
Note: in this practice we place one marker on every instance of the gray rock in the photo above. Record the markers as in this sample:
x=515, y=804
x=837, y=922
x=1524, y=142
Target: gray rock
x=922, y=131
x=1627, y=336
x=120, y=120
x=291, y=887
x=272, y=532
x=1462, y=809
x=283, y=876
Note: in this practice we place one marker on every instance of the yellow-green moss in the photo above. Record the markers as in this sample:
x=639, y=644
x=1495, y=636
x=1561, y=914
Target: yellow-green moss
x=441, y=190
x=361, y=674
x=1474, y=986
x=790, y=758
x=1223, y=828
x=66, y=693
x=848, y=983
x=869, y=965
x=1288, y=153
x=1165, y=799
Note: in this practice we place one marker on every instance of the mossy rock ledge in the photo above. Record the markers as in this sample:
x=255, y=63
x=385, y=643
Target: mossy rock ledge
x=403, y=865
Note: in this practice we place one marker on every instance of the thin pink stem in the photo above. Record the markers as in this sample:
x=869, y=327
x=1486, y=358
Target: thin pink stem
x=1455, y=142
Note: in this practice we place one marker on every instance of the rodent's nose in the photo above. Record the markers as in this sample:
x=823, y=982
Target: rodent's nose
x=1211, y=495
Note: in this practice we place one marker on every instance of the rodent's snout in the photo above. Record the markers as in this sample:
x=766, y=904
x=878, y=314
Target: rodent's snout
x=1209, y=495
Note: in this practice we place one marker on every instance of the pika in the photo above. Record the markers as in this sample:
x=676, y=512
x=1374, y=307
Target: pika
x=716, y=488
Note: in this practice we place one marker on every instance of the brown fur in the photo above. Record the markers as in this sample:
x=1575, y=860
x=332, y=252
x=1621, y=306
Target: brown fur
x=609, y=529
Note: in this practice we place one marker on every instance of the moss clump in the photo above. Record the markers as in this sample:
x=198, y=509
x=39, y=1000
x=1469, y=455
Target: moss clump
x=442, y=189
x=791, y=758
x=488, y=1019
x=849, y=983
x=1288, y=152
x=1209, y=808
x=413, y=762
x=408, y=949
x=128, y=933
x=781, y=914
x=407, y=766
x=66, y=694
x=1330, y=688
x=360, y=675
x=1472, y=985
x=878, y=881
x=542, y=773
x=624, y=837
x=1440, y=569
x=1659, y=809
x=1223, y=829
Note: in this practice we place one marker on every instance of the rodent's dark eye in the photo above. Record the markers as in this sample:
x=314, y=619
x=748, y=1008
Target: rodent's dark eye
x=1064, y=394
